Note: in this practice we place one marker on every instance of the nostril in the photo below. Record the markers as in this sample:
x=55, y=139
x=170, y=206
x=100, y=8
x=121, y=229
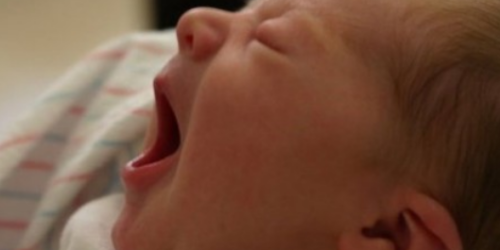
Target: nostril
x=201, y=43
x=201, y=32
x=189, y=41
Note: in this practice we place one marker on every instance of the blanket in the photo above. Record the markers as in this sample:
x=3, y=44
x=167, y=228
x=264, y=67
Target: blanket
x=68, y=149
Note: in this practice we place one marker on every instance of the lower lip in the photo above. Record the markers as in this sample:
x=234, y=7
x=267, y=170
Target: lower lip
x=139, y=179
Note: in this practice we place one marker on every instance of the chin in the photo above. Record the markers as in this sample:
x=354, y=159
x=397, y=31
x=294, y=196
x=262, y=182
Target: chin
x=121, y=233
x=133, y=231
x=118, y=236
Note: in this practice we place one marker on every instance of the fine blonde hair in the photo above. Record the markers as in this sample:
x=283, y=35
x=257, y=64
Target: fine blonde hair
x=448, y=90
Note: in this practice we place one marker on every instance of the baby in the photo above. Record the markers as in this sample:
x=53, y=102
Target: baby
x=324, y=124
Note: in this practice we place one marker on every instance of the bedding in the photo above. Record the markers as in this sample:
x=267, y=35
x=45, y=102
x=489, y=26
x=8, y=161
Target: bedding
x=68, y=149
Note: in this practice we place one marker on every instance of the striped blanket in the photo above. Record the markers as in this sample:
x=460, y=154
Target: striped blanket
x=68, y=149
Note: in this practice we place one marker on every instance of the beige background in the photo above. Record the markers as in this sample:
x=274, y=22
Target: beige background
x=40, y=39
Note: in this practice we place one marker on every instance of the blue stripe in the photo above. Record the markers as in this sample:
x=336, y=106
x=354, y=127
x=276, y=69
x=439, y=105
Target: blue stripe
x=60, y=96
x=113, y=144
x=49, y=240
x=92, y=117
x=76, y=93
x=48, y=214
x=144, y=70
x=55, y=138
x=20, y=195
x=114, y=180
x=131, y=151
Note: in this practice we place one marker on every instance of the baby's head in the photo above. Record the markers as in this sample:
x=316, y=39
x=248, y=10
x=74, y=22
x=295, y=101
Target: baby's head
x=324, y=124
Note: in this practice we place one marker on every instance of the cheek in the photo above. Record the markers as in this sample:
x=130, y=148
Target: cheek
x=247, y=111
x=241, y=133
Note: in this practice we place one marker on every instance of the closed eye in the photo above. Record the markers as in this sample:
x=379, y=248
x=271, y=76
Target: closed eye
x=266, y=36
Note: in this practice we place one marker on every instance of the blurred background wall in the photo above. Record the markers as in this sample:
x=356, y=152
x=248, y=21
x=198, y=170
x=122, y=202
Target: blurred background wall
x=166, y=13
x=39, y=40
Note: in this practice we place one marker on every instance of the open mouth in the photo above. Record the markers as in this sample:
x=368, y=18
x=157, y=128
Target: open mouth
x=167, y=140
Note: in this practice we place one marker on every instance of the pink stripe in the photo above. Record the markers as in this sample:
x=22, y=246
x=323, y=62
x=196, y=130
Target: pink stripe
x=76, y=110
x=142, y=112
x=116, y=54
x=13, y=225
x=78, y=201
x=119, y=91
x=18, y=141
x=28, y=248
x=151, y=48
x=77, y=141
x=34, y=165
x=72, y=178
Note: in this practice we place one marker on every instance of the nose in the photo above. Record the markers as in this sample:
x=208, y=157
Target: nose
x=202, y=31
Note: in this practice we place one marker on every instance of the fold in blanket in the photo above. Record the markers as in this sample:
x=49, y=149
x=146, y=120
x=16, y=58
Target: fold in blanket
x=68, y=149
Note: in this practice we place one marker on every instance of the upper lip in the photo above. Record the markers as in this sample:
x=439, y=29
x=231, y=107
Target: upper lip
x=164, y=89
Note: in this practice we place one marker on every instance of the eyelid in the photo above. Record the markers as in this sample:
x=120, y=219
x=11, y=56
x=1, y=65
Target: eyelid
x=266, y=33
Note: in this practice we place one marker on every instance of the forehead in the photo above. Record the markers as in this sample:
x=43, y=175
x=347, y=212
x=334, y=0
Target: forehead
x=339, y=15
x=309, y=18
x=265, y=4
x=350, y=21
x=330, y=6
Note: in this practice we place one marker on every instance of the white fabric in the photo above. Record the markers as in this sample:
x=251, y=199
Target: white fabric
x=89, y=228
x=69, y=148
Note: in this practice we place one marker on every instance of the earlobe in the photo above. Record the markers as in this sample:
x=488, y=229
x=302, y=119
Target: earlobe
x=419, y=223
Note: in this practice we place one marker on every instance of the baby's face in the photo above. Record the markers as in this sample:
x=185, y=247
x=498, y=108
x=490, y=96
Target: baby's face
x=278, y=119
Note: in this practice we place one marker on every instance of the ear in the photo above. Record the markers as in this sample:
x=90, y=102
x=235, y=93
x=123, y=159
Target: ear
x=417, y=223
